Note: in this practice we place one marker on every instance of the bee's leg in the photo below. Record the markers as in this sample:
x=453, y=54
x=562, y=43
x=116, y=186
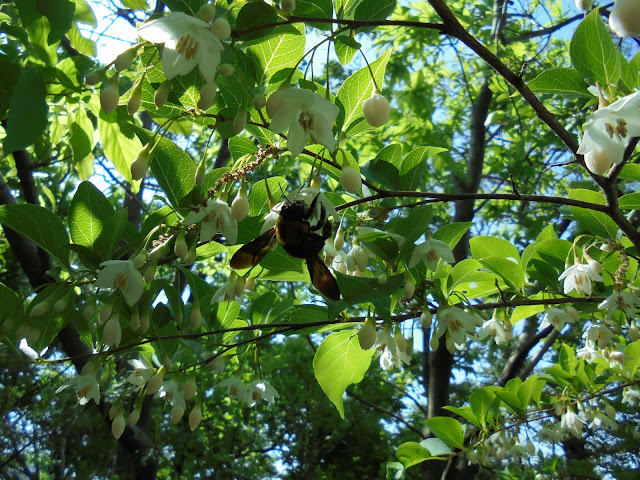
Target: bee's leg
x=312, y=207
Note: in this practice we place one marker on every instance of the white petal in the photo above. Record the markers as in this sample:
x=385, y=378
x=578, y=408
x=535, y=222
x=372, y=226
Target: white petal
x=297, y=138
x=174, y=63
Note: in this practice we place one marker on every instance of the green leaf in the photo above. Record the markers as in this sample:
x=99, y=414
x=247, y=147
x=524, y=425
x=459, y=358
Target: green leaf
x=60, y=14
x=412, y=453
x=593, y=52
x=463, y=272
x=447, y=429
x=28, y=109
x=88, y=213
x=340, y=362
x=258, y=198
x=380, y=244
x=346, y=47
x=135, y=4
x=486, y=246
x=366, y=289
x=254, y=15
x=81, y=136
x=465, y=412
x=9, y=300
x=452, y=233
x=120, y=146
x=315, y=9
x=510, y=271
x=374, y=9
x=630, y=201
x=39, y=225
x=357, y=88
x=632, y=355
x=411, y=227
x=111, y=235
x=630, y=171
x=172, y=167
x=276, y=52
x=480, y=402
x=596, y=222
x=414, y=166
x=241, y=146
x=563, y=81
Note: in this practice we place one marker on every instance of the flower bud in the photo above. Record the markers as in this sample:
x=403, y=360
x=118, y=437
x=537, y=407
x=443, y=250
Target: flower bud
x=105, y=313
x=350, y=180
x=195, y=316
x=135, y=416
x=250, y=284
x=367, y=334
x=240, y=121
x=195, y=417
x=94, y=77
x=598, y=161
x=157, y=252
x=361, y=258
x=156, y=382
x=190, y=257
x=342, y=267
x=409, y=288
x=110, y=95
x=61, y=305
x=624, y=20
x=150, y=272
x=200, y=173
x=176, y=413
x=207, y=95
x=190, y=388
x=221, y=28
x=125, y=59
x=134, y=319
x=162, y=93
x=112, y=333
x=144, y=321
x=180, y=248
x=259, y=101
x=426, y=319
x=287, y=6
x=338, y=242
x=240, y=205
x=376, y=109
x=634, y=333
x=135, y=100
x=226, y=69
x=41, y=308
x=117, y=426
x=382, y=278
x=275, y=101
x=584, y=4
x=141, y=163
x=140, y=259
x=207, y=12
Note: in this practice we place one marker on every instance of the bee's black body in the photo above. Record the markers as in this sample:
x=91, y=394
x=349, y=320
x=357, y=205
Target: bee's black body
x=299, y=239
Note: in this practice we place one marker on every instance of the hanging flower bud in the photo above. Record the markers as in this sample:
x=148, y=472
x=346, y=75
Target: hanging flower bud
x=195, y=416
x=135, y=100
x=367, y=334
x=259, y=101
x=376, y=109
x=125, y=59
x=207, y=95
x=61, y=304
x=190, y=388
x=239, y=286
x=350, y=179
x=135, y=416
x=624, y=20
x=141, y=163
x=409, y=288
x=134, y=319
x=180, y=248
x=338, y=242
x=342, y=267
x=156, y=382
x=144, y=321
x=221, y=28
x=584, y=4
x=240, y=121
x=287, y=6
x=112, y=332
x=200, y=173
x=250, y=284
x=207, y=12
x=95, y=77
x=150, y=272
x=361, y=257
x=598, y=161
x=162, y=93
x=140, y=259
x=157, y=252
x=226, y=69
x=382, y=278
x=240, y=204
x=110, y=95
x=195, y=317
x=190, y=257
x=118, y=424
x=105, y=313
x=177, y=412
x=426, y=319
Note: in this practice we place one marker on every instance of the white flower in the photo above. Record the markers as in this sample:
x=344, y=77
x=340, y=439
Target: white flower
x=609, y=129
x=615, y=358
x=624, y=20
x=234, y=386
x=631, y=397
x=598, y=334
x=305, y=114
x=557, y=317
x=572, y=423
x=123, y=275
x=87, y=387
x=141, y=373
x=187, y=42
x=584, y=4
x=430, y=252
x=495, y=328
x=625, y=301
x=457, y=324
x=386, y=346
x=589, y=353
x=579, y=276
x=216, y=217
x=173, y=392
x=260, y=390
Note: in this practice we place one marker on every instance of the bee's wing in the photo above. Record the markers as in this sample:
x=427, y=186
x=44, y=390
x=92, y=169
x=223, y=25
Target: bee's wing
x=322, y=278
x=250, y=254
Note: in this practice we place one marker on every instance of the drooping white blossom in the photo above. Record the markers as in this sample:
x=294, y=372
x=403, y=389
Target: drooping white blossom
x=122, y=275
x=216, y=217
x=624, y=301
x=430, y=252
x=572, y=423
x=579, y=276
x=260, y=390
x=87, y=386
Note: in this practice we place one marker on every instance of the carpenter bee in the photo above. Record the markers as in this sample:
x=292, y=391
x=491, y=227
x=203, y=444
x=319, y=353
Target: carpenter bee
x=300, y=239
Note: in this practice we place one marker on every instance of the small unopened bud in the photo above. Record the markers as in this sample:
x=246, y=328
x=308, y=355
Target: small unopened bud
x=584, y=4
x=150, y=272
x=226, y=69
x=180, y=248
x=240, y=121
x=195, y=417
x=157, y=252
x=135, y=416
x=176, y=413
x=207, y=95
x=190, y=257
x=316, y=181
x=595, y=265
x=200, y=173
x=195, y=316
x=117, y=426
x=125, y=59
x=240, y=205
x=382, y=278
x=207, y=12
x=41, y=308
x=110, y=95
x=112, y=333
x=376, y=109
x=250, y=284
x=342, y=267
x=350, y=180
x=573, y=313
x=239, y=286
x=140, y=259
x=144, y=321
x=190, y=388
x=135, y=100
x=361, y=258
x=95, y=77
x=409, y=288
x=134, y=319
x=162, y=93
x=287, y=6
x=156, y=382
x=426, y=319
x=114, y=410
x=61, y=305
x=259, y=101
x=367, y=334
x=221, y=28
x=141, y=163
x=105, y=313
x=338, y=242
